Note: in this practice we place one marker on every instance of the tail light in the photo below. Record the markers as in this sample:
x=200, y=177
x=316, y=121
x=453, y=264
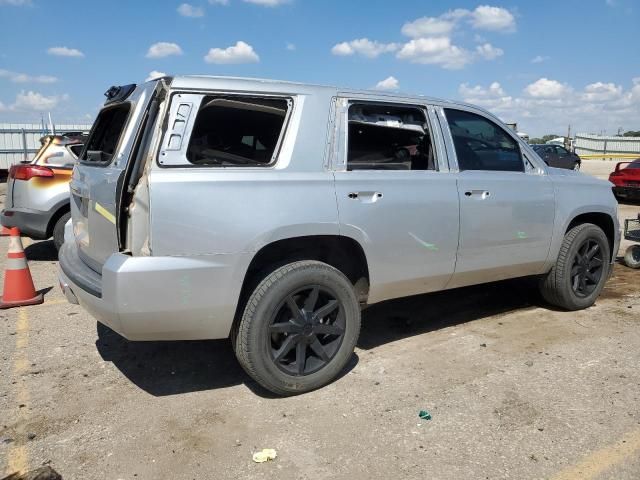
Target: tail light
x=27, y=172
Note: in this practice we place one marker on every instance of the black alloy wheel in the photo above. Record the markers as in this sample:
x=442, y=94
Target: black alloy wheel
x=306, y=330
x=587, y=268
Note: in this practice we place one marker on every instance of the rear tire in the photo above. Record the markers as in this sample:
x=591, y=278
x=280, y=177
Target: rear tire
x=632, y=256
x=581, y=270
x=299, y=328
x=58, y=230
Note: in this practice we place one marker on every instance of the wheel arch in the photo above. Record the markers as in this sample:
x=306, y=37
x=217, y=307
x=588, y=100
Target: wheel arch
x=58, y=211
x=341, y=252
x=600, y=219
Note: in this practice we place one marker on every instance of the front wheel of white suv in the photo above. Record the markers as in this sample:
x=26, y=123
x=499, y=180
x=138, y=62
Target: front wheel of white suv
x=581, y=269
x=299, y=328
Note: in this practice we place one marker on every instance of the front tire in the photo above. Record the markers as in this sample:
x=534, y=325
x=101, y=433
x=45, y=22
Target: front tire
x=58, y=230
x=299, y=328
x=581, y=270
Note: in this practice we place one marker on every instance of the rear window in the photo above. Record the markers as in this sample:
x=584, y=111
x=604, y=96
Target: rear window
x=237, y=131
x=106, y=133
x=76, y=150
x=634, y=164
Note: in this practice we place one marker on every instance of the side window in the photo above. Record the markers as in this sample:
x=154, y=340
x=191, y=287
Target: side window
x=561, y=152
x=388, y=137
x=237, y=131
x=481, y=144
x=76, y=150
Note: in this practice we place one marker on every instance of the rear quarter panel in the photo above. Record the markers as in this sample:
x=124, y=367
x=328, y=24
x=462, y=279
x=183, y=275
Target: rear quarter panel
x=42, y=193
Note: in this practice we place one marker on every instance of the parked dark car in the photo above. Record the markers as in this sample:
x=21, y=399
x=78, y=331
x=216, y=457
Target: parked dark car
x=558, y=157
x=626, y=180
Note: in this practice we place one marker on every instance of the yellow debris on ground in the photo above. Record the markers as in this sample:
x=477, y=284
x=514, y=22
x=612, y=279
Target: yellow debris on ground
x=265, y=455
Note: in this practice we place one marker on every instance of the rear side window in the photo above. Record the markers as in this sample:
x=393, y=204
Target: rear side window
x=237, y=131
x=388, y=137
x=106, y=133
x=481, y=144
x=76, y=150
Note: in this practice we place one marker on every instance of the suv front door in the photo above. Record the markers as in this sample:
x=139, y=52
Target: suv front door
x=396, y=196
x=506, y=205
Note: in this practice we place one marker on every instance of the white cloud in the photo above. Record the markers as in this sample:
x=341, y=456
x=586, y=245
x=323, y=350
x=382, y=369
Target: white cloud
x=431, y=38
x=16, y=3
x=495, y=19
x=65, y=52
x=36, y=102
x=241, y=52
x=24, y=78
x=494, y=90
x=389, y=83
x=539, y=59
x=268, y=3
x=364, y=47
x=436, y=51
x=153, y=74
x=484, y=17
x=188, y=10
x=488, y=51
x=219, y=2
x=545, y=88
x=291, y=47
x=163, y=49
x=601, y=92
x=596, y=107
x=428, y=27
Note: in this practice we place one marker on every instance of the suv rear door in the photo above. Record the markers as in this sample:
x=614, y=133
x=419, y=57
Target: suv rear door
x=395, y=194
x=98, y=178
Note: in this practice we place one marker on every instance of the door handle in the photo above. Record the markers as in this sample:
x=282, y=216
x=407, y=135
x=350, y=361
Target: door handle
x=365, y=197
x=478, y=193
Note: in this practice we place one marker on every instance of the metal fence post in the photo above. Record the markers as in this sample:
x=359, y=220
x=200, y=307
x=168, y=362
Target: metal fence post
x=605, y=149
x=24, y=145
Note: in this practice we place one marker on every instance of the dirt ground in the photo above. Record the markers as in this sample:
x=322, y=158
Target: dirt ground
x=516, y=390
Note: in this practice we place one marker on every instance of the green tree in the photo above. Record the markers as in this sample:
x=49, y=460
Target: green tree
x=631, y=133
x=546, y=138
x=543, y=139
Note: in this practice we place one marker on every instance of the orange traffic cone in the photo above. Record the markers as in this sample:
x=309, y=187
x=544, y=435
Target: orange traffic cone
x=6, y=231
x=18, y=284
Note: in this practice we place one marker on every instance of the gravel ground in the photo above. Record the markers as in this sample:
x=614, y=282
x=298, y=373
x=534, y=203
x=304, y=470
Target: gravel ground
x=516, y=390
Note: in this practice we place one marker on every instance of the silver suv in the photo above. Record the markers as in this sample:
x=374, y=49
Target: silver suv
x=38, y=190
x=273, y=212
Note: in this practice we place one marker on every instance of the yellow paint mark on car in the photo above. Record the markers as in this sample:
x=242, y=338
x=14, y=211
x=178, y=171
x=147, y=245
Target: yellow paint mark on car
x=105, y=213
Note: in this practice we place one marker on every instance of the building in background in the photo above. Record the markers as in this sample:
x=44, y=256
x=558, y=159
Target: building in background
x=20, y=141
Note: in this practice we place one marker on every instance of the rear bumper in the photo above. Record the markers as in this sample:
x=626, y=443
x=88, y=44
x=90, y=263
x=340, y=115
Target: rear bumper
x=32, y=223
x=156, y=298
x=627, y=192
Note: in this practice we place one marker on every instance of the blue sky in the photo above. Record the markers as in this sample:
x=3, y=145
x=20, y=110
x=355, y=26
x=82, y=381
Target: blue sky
x=544, y=64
